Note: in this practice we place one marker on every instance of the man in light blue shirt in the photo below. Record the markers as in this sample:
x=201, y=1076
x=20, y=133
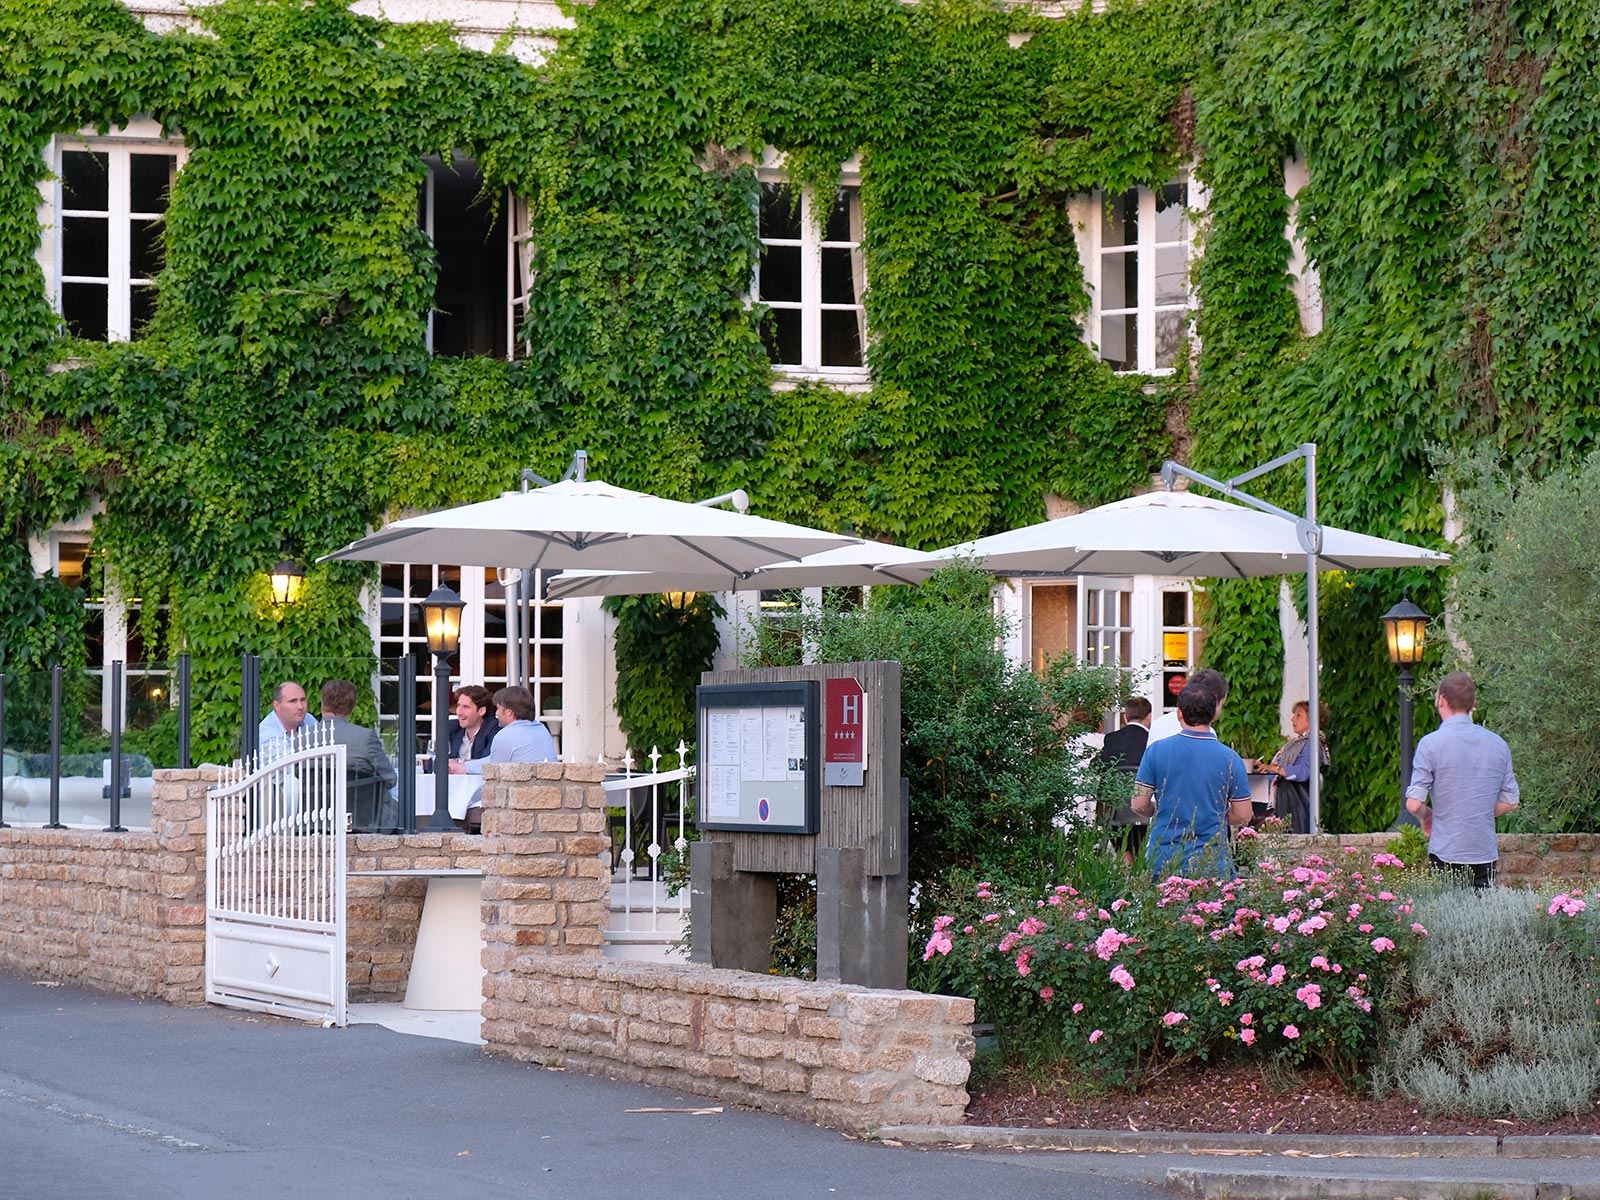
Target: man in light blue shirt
x=1467, y=770
x=522, y=738
x=282, y=730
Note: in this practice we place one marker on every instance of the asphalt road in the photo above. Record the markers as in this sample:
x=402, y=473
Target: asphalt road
x=102, y=1096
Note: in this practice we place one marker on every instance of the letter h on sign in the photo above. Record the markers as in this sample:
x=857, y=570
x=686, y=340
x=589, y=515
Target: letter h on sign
x=844, y=755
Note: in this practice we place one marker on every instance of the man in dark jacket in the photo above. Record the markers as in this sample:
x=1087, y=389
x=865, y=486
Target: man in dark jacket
x=474, y=727
x=368, y=772
x=1121, y=751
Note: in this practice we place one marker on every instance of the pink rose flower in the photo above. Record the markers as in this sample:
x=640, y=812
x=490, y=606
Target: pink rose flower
x=1120, y=977
x=1290, y=1032
x=1380, y=944
x=1247, y=1019
x=1247, y=1036
x=1172, y=1018
x=1096, y=1036
x=1047, y=994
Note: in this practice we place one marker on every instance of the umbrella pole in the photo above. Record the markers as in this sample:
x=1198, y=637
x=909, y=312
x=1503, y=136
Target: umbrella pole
x=1313, y=706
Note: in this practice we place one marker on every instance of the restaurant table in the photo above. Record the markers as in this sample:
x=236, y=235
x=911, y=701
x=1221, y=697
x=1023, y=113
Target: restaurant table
x=464, y=791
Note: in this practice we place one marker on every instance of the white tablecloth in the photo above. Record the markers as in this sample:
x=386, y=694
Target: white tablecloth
x=464, y=790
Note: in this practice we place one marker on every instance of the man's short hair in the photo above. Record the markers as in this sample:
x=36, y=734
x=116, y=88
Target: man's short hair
x=1459, y=692
x=1136, y=709
x=1197, y=703
x=1215, y=680
x=479, y=696
x=338, y=698
x=519, y=700
x=277, y=692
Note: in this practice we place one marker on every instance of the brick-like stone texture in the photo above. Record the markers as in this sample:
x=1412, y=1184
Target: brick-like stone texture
x=122, y=912
x=1526, y=859
x=835, y=1053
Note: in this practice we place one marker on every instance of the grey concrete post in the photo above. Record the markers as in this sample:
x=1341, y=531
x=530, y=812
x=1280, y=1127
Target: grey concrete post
x=731, y=913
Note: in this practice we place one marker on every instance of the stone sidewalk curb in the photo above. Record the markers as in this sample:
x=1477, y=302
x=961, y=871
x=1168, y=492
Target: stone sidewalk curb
x=1252, y=1185
x=1001, y=1137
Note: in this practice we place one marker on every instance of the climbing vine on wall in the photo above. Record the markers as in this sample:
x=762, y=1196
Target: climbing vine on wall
x=283, y=399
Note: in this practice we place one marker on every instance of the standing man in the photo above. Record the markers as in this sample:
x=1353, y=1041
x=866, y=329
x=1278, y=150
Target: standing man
x=1193, y=787
x=1122, y=751
x=1467, y=770
x=367, y=769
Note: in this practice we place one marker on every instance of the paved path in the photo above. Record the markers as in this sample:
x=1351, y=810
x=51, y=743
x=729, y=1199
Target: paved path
x=105, y=1097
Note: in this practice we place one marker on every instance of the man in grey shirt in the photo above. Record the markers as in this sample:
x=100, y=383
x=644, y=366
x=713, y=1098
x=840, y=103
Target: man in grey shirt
x=1467, y=770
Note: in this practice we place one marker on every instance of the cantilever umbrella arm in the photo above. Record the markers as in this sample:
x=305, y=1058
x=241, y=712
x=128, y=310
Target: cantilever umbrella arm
x=1309, y=534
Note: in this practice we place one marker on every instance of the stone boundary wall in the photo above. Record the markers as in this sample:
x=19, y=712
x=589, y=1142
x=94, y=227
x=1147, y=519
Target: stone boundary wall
x=383, y=912
x=839, y=1054
x=126, y=912
x=1526, y=859
x=121, y=912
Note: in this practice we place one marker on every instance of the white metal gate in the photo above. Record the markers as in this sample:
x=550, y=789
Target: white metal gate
x=275, y=882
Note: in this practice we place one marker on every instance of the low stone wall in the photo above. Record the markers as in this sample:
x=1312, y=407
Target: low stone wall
x=837, y=1054
x=383, y=912
x=1526, y=859
x=122, y=912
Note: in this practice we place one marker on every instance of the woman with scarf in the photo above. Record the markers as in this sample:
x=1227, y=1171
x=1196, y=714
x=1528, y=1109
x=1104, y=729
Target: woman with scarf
x=1292, y=766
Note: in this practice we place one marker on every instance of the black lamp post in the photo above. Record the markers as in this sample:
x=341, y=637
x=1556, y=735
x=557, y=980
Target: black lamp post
x=441, y=614
x=287, y=578
x=1405, y=627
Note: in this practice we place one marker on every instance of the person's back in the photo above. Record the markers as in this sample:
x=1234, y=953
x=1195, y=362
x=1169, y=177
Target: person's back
x=1466, y=765
x=1195, y=777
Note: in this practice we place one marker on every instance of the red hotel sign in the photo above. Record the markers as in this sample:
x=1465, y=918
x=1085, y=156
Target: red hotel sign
x=844, y=738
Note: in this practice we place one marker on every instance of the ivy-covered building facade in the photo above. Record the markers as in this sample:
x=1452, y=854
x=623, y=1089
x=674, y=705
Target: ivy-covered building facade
x=271, y=271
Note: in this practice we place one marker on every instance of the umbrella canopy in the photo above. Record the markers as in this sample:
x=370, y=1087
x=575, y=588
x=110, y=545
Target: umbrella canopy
x=588, y=523
x=863, y=564
x=1180, y=533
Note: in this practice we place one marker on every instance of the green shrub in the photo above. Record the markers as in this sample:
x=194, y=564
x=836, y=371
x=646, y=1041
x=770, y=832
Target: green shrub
x=1500, y=1007
x=1285, y=963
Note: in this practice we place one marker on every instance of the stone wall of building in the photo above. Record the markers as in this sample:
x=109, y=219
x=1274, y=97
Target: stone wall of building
x=122, y=912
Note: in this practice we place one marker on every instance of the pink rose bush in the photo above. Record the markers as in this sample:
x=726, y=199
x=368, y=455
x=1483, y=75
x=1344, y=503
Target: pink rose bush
x=1286, y=960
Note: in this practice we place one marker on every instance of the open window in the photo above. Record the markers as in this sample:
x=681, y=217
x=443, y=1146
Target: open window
x=1135, y=249
x=485, y=255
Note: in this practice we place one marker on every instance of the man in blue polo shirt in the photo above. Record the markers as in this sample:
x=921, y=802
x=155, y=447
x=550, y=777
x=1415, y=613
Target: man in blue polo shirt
x=1193, y=787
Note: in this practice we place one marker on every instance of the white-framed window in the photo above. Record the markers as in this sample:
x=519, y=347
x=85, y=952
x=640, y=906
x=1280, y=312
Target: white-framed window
x=1181, y=636
x=811, y=278
x=113, y=632
x=483, y=656
x=484, y=249
x=104, y=226
x=1135, y=249
x=1107, y=623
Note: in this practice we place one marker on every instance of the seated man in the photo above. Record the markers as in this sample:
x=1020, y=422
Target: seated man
x=368, y=771
x=522, y=738
x=472, y=732
x=1122, y=752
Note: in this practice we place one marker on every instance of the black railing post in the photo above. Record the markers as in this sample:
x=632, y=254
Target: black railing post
x=114, y=787
x=405, y=742
x=249, y=705
x=3, y=824
x=441, y=742
x=55, y=749
x=185, y=753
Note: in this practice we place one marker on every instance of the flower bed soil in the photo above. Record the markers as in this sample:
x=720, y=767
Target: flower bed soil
x=1232, y=1099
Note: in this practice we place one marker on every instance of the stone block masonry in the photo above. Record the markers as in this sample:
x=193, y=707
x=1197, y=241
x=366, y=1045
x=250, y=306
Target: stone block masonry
x=839, y=1054
x=121, y=912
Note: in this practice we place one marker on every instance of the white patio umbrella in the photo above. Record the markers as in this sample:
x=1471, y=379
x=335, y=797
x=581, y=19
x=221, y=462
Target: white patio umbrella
x=587, y=523
x=1180, y=533
x=864, y=564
